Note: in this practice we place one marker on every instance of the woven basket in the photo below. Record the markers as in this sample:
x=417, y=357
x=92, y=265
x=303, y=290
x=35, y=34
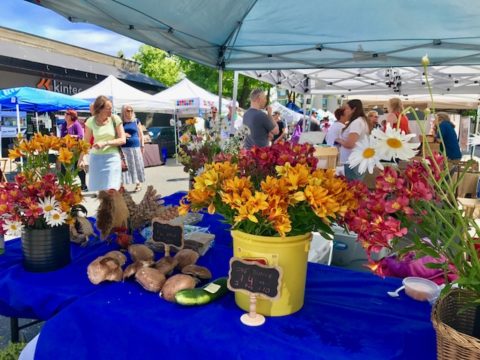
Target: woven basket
x=454, y=328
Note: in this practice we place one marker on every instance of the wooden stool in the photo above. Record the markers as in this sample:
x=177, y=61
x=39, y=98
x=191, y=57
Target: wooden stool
x=3, y=168
x=327, y=157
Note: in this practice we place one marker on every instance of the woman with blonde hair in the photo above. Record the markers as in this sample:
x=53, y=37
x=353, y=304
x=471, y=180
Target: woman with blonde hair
x=395, y=109
x=133, y=149
x=447, y=136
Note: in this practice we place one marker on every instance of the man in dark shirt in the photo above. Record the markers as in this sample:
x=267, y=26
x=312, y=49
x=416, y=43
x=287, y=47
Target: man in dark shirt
x=261, y=125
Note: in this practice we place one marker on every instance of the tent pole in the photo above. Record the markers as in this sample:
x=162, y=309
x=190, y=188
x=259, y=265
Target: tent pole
x=176, y=135
x=17, y=107
x=477, y=120
x=220, y=91
x=36, y=119
x=304, y=106
x=234, y=102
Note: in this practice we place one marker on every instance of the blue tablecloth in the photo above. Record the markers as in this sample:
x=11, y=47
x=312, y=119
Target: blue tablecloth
x=347, y=315
x=25, y=294
x=31, y=295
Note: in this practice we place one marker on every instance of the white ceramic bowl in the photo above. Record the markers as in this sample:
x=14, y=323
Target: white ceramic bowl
x=421, y=289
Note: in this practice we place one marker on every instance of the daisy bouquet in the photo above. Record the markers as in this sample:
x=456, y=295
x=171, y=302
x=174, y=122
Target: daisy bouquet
x=272, y=191
x=41, y=196
x=414, y=211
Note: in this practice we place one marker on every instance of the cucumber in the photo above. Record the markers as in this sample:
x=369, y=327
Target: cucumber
x=200, y=296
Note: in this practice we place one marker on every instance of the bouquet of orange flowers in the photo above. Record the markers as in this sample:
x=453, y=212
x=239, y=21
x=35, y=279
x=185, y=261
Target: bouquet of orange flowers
x=41, y=196
x=272, y=191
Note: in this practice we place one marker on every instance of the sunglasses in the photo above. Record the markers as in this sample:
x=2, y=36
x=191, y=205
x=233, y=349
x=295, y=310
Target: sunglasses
x=129, y=110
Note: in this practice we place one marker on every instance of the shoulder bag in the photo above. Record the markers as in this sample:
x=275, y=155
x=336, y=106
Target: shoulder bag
x=122, y=155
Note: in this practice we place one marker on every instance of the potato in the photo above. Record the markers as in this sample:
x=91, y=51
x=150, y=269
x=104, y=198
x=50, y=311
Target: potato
x=175, y=284
x=119, y=256
x=134, y=267
x=186, y=257
x=166, y=264
x=104, y=269
x=151, y=279
x=140, y=252
x=200, y=272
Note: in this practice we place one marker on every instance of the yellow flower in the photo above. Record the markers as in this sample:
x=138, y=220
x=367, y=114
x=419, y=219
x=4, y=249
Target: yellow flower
x=65, y=156
x=322, y=204
x=280, y=221
x=14, y=154
x=211, y=208
x=237, y=184
x=200, y=196
x=183, y=207
x=258, y=202
x=295, y=177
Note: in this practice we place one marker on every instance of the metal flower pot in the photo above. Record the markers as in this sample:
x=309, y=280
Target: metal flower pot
x=46, y=249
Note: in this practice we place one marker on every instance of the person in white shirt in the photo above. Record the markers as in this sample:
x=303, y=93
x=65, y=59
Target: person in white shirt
x=335, y=130
x=237, y=121
x=356, y=129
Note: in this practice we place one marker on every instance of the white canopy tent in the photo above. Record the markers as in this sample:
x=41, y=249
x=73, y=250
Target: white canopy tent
x=451, y=102
x=123, y=94
x=266, y=34
x=251, y=36
x=189, y=98
x=290, y=116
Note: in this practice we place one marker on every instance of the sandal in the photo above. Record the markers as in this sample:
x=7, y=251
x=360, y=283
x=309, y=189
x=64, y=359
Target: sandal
x=138, y=188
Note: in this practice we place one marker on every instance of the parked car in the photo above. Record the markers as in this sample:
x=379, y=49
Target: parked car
x=164, y=136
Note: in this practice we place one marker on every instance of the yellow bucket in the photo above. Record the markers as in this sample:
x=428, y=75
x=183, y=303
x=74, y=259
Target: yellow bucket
x=291, y=254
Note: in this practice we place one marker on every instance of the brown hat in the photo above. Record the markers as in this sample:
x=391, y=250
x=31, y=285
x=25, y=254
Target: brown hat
x=72, y=113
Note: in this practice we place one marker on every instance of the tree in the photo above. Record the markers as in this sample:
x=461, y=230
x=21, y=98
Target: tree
x=158, y=65
x=169, y=70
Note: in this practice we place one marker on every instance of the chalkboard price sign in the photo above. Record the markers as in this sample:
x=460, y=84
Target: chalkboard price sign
x=168, y=234
x=253, y=278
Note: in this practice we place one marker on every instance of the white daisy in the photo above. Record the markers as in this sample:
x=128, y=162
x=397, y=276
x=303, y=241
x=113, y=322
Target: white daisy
x=55, y=218
x=365, y=156
x=48, y=205
x=393, y=144
x=13, y=228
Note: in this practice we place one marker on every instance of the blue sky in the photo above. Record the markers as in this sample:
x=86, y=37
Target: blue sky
x=30, y=18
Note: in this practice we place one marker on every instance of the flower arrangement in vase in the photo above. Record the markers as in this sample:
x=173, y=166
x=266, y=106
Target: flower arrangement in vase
x=197, y=148
x=272, y=191
x=41, y=196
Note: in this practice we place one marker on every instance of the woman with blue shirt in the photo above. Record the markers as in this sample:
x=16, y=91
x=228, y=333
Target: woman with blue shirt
x=448, y=137
x=133, y=149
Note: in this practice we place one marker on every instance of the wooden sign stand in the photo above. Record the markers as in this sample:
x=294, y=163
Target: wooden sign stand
x=252, y=318
x=254, y=279
x=168, y=234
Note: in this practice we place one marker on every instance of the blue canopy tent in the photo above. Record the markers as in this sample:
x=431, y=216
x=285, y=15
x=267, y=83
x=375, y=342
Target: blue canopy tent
x=38, y=100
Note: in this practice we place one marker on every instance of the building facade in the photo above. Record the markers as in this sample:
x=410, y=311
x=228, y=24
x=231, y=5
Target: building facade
x=28, y=60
